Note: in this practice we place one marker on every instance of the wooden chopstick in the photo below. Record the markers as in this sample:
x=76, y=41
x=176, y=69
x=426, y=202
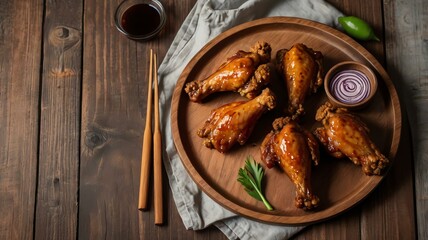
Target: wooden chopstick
x=157, y=153
x=147, y=145
x=157, y=148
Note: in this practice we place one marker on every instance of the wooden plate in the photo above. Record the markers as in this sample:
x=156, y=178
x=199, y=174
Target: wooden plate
x=338, y=183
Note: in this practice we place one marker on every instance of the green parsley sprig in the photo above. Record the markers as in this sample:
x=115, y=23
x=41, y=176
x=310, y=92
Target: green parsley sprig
x=251, y=177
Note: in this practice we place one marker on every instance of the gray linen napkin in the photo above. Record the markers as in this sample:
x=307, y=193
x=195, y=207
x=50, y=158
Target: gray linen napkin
x=207, y=19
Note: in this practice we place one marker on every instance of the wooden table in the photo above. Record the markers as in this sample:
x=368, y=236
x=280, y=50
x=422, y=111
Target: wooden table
x=72, y=109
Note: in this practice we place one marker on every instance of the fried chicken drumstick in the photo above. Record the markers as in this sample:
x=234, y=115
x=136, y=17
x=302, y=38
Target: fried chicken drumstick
x=344, y=135
x=293, y=148
x=301, y=68
x=234, y=122
x=244, y=72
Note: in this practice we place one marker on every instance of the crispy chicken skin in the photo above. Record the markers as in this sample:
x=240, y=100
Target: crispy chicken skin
x=301, y=68
x=343, y=134
x=292, y=148
x=244, y=72
x=235, y=121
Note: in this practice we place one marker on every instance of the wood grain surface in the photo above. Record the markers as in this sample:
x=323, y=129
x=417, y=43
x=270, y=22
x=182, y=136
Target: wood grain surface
x=58, y=175
x=20, y=63
x=72, y=109
x=406, y=51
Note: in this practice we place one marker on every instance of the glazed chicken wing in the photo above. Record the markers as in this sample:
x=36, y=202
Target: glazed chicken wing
x=244, y=72
x=301, y=68
x=343, y=134
x=292, y=148
x=235, y=121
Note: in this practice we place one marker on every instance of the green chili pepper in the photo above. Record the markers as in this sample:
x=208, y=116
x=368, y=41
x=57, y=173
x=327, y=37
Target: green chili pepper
x=357, y=28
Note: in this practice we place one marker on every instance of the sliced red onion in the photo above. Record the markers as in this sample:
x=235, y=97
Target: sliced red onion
x=350, y=86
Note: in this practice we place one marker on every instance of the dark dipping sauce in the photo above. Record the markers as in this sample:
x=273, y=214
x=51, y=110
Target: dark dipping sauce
x=141, y=19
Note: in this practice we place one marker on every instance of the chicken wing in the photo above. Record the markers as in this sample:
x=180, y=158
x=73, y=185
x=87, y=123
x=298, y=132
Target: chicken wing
x=292, y=148
x=343, y=134
x=234, y=122
x=244, y=72
x=301, y=68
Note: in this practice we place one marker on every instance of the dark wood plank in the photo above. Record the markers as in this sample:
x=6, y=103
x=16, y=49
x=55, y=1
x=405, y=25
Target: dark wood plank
x=56, y=212
x=113, y=107
x=20, y=62
x=406, y=50
x=112, y=101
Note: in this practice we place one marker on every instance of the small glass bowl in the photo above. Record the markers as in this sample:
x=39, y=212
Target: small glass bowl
x=126, y=5
x=345, y=66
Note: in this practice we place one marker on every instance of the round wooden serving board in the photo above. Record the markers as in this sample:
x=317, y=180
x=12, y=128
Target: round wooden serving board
x=338, y=182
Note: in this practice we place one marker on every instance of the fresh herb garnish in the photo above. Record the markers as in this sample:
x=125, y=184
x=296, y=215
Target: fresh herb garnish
x=251, y=178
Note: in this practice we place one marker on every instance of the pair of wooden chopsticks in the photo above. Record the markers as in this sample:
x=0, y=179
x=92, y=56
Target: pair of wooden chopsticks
x=157, y=148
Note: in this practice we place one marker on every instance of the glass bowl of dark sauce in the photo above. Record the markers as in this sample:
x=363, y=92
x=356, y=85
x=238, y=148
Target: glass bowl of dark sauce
x=140, y=19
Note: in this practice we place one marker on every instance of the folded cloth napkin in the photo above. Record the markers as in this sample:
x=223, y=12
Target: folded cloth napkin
x=207, y=19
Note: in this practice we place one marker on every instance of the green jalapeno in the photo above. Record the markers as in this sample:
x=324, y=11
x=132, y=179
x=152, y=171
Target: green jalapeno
x=357, y=28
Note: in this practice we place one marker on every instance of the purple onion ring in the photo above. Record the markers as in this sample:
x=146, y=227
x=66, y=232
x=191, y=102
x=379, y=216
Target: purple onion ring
x=350, y=86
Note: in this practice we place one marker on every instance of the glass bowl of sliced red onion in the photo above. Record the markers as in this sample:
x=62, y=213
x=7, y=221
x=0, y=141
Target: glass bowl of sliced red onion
x=350, y=84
